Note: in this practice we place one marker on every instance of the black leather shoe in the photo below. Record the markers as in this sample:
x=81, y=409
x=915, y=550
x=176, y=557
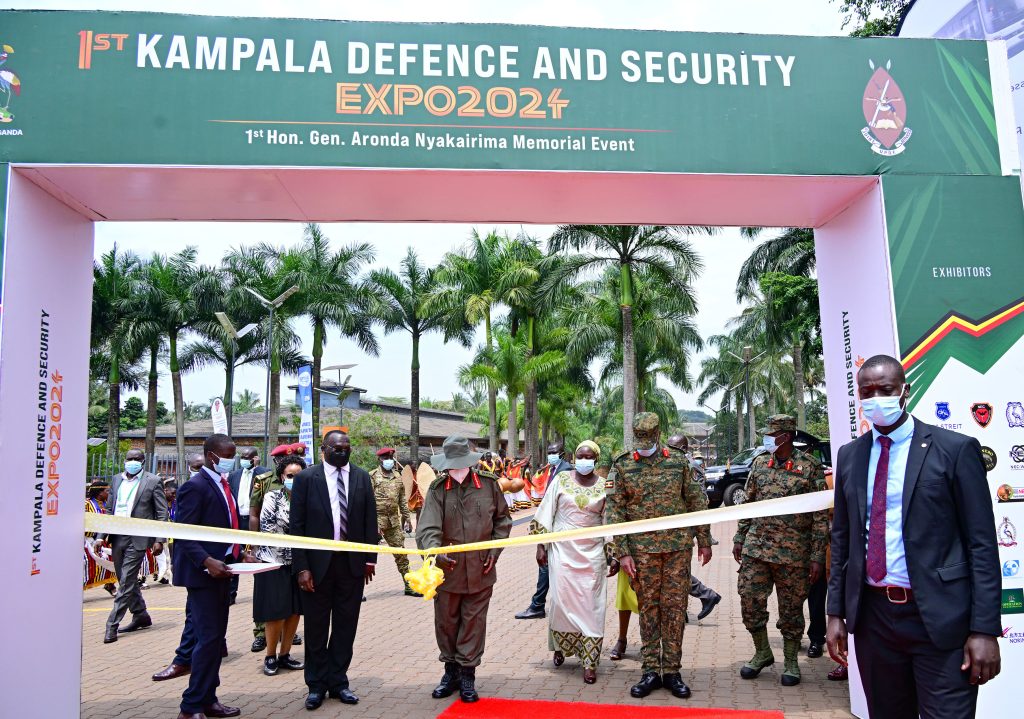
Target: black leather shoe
x=285, y=661
x=296, y=640
x=139, y=621
x=449, y=682
x=259, y=644
x=467, y=685
x=314, y=699
x=345, y=695
x=815, y=650
x=532, y=612
x=110, y=636
x=647, y=684
x=675, y=684
x=220, y=711
x=709, y=606
x=270, y=666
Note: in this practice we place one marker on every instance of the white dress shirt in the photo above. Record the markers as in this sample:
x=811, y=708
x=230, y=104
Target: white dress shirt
x=896, y=573
x=244, y=491
x=331, y=474
x=126, y=492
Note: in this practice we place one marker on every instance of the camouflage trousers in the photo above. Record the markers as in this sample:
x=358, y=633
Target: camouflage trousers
x=791, y=587
x=662, y=587
x=395, y=537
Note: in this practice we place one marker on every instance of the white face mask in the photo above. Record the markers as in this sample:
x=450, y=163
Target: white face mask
x=648, y=452
x=388, y=464
x=554, y=459
x=458, y=474
x=769, y=444
x=882, y=411
x=584, y=466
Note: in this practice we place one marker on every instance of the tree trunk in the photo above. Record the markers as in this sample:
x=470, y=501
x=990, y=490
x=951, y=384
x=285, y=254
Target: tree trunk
x=739, y=423
x=318, y=359
x=229, y=389
x=530, y=400
x=513, y=424
x=629, y=395
x=492, y=397
x=113, y=408
x=546, y=436
x=414, y=404
x=751, y=419
x=179, y=407
x=275, y=411
x=151, y=399
x=798, y=384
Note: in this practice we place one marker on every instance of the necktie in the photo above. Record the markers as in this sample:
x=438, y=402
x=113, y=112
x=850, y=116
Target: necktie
x=342, y=508
x=876, y=531
x=232, y=509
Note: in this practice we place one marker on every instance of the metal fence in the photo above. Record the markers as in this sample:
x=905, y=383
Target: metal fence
x=98, y=466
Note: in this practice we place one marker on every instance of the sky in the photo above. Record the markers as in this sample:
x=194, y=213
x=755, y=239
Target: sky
x=388, y=373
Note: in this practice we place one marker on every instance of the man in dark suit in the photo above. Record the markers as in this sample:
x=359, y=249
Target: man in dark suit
x=915, y=567
x=201, y=567
x=139, y=494
x=332, y=500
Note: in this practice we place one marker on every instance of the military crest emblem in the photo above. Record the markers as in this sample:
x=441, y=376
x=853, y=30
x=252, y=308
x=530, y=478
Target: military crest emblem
x=982, y=413
x=942, y=411
x=1015, y=414
x=1007, y=533
x=885, y=110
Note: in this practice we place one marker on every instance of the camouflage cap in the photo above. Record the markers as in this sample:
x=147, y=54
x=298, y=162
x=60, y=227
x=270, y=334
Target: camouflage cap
x=779, y=423
x=646, y=426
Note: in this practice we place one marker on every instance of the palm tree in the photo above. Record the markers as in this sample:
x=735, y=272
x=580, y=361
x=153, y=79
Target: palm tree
x=248, y=401
x=724, y=373
x=669, y=258
x=402, y=306
x=180, y=291
x=331, y=294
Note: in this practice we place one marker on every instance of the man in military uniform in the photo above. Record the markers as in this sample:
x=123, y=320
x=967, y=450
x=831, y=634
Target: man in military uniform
x=787, y=550
x=653, y=482
x=392, y=509
x=462, y=505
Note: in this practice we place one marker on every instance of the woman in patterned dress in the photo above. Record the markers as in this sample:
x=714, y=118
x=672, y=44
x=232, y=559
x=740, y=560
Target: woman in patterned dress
x=579, y=569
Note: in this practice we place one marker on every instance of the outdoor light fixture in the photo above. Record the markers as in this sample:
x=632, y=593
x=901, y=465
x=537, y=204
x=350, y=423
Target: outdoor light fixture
x=341, y=386
x=234, y=334
x=270, y=305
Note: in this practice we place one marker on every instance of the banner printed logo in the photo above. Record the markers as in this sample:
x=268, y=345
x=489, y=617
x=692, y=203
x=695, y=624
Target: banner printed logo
x=942, y=411
x=1008, y=493
x=885, y=110
x=10, y=84
x=1015, y=414
x=1007, y=533
x=982, y=413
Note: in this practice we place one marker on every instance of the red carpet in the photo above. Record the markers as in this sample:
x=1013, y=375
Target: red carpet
x=515, y=709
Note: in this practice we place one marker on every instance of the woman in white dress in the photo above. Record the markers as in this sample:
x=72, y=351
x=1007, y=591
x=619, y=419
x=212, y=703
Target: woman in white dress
x=578, y=569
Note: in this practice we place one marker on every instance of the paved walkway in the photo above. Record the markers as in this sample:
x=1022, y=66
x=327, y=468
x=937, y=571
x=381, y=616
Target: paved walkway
x=396, y=664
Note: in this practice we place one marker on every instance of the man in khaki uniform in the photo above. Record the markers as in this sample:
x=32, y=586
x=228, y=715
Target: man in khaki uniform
x=463, y=505
x=392, y=509
x=647, y=483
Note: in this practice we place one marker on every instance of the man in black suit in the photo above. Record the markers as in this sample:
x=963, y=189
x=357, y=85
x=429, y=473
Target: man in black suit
x=201, y=567
x=915, y=567
x=332, y=500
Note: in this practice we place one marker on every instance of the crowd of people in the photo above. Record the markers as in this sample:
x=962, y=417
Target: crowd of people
x=924, y=603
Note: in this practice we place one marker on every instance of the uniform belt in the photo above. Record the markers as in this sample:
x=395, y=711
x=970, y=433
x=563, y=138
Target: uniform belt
x=896, y=595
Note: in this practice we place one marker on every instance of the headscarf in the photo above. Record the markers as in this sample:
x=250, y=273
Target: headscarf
x=592, y=445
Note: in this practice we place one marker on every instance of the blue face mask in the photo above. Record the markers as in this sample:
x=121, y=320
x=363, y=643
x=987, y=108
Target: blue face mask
x=769, y=444
x=584, y=466
x=388, y=464
x=649, y=451
x=224, y=466
x=288, y=484
x=132, y=467
x=882, y=411
x=246, y=463
x=554, y=459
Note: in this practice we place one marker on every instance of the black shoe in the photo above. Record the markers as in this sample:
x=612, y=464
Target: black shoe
x=270, y=666
x=532, y=612
x=709, y=606
x=467, y=685
x=297, y=640
x=410, y=592
x=345, y=695
x=364, y=598
x=647, y=684
x=231, y=601
x=258, y=644
x=139, y=621
x=164, y=581
x=815, y=650
x=314, y=699
x=285, y=661
x=675, y=684
x=111, y=635
x=449, y=682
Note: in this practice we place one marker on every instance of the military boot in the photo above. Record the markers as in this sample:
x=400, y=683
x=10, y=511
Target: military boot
x=410, y=592
x=762, y=658
x=467, y=685
x=791, y=671
x=449, y=682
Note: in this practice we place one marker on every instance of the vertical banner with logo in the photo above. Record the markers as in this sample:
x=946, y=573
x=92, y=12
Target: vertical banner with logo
x=956, y=249
x=219, y=416
x=306, y=408
x=44, y=350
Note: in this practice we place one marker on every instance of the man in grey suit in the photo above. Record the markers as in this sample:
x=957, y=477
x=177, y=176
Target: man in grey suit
x=139, y=494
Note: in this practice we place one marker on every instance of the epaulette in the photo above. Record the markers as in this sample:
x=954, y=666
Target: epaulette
x=488, y=475
x=621, y=456
x=268, y=473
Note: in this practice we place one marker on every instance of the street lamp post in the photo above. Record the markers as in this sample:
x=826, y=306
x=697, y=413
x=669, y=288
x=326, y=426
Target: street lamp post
x=233, y=336
x=340, y=394
x=271, y=305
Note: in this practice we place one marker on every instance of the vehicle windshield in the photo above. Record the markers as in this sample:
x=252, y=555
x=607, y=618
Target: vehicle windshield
x=745, y=456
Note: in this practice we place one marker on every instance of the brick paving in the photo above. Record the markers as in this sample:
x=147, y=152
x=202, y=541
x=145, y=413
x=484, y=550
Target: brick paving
x=396, y=665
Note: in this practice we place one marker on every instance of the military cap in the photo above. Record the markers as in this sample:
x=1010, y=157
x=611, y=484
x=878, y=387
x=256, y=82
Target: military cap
x=646, y=426
x=779, y=423
x=384, y=451
x=678, y=441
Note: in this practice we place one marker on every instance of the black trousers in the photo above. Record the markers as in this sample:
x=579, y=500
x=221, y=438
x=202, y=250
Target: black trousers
x=331, y=615
x=816, y=610
x=904, y=674
x=208, y=609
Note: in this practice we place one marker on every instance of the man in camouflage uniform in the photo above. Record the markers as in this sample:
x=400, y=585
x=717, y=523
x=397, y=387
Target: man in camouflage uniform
x=392, y=509
x=647, y=483
x=787, y=550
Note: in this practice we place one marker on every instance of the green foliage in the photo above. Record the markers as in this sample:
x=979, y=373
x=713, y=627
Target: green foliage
x=873, y=17
x=817, y=418
x=133, y=414
x=101, y=463
x=370, y=432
